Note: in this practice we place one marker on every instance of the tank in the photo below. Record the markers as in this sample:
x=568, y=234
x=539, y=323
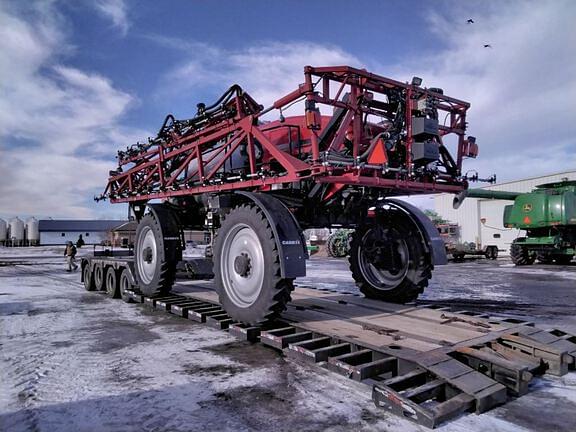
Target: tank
x=3, y=231
x=16, y=231
x=32, y=231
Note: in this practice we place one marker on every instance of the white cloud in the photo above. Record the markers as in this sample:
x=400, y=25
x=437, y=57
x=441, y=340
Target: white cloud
x=116, y=11
x=267, y=71
x=55, y=121
x=522, y=90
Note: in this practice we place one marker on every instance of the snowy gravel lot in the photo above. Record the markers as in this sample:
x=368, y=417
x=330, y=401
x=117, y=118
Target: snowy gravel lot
x=77, y=361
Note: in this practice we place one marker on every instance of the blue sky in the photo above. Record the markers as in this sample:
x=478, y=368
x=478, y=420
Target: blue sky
x=81, y=79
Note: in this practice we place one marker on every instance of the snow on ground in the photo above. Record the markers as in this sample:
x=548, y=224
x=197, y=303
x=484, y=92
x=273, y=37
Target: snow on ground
x=77, y=361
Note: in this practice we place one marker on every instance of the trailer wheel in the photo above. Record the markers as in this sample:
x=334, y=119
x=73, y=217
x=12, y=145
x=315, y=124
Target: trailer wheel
x=99, y=277
x=112, y=288
x=88, y=277
x=155, y=274
x=521, y=255
x=247, y=267
x=491, y=252
x=458, y=257
x=389, y=262
x=125, y=285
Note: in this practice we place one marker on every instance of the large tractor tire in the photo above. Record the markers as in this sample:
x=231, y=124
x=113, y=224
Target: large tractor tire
x=247, y=267
x=155, y=271
x=389, y=261
x=521, y=255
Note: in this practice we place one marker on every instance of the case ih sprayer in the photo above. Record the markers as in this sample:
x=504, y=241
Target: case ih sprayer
x=256, y=184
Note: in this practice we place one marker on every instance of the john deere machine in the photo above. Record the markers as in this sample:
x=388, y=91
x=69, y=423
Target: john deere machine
x=547, y=214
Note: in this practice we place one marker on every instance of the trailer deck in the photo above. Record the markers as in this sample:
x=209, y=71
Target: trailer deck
x=427, y=364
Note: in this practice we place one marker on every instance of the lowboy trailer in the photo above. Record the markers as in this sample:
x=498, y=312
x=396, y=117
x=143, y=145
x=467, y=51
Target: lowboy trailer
x=425, y=363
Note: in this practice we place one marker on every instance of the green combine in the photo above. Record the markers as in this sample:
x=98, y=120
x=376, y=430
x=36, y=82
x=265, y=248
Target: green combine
x=547, y=214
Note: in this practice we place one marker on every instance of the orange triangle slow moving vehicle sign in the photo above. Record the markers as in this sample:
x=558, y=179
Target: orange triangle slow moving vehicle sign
x=378, y=155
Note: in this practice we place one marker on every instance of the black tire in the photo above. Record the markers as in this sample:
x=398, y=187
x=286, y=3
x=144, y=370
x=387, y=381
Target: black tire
x=88, y=277
x=154, y=277
x=491, y=252
x=458, y=257
x=521, y=256
x=125, y=285
x=545, y=258
x=98, y=274
x=112, y=287
x=273, y=292
x=563, y=259
x=417, y=268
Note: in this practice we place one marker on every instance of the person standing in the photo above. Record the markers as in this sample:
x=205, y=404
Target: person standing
x=80, y=242
x=70, y=254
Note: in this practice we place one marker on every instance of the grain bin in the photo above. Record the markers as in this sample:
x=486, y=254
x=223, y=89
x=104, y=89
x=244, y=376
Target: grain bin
x=16, y=231
x=32, y=232
x=3, y=231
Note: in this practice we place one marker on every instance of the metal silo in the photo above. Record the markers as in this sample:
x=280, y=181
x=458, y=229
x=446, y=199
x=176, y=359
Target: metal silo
x=3, y=231
x=32, y=232
x=16, y=231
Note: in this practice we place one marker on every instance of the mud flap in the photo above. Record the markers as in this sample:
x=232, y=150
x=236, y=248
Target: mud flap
x=430, y=235
x=287, y=234
x=171, y=231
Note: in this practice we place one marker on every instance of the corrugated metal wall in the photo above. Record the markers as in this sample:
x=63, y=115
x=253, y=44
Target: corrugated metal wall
x=472, y=210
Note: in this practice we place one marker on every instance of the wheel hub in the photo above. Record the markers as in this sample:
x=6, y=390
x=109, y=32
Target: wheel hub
x=383, y=258
x=242, y=265
x=147, y=255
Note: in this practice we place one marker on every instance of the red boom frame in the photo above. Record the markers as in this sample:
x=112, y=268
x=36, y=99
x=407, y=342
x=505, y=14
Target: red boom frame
x=190, y=162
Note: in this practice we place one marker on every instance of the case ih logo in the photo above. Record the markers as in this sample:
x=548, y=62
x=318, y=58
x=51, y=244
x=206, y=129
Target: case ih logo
x=527, y=208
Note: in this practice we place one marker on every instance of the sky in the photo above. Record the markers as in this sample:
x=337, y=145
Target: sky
x=82, y=79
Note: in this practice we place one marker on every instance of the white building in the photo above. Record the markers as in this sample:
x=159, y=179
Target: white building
x=480, y=220
x=58, y=232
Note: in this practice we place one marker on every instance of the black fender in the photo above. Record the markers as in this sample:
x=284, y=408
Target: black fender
x=287, y=233
x=171, y=230
x=430, y=235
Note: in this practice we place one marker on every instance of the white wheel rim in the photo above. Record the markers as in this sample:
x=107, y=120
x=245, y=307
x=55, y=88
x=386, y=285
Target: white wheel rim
x=243, y=288
x=147, y=255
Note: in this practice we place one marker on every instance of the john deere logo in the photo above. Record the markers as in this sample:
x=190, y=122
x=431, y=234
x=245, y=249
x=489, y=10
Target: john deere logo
x=527, y=208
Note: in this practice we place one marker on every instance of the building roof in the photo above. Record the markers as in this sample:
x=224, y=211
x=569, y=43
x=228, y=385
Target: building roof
x=63, y=225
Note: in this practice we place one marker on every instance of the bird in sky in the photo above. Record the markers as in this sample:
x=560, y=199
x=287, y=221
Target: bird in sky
x=487, y=46
x=470, y=21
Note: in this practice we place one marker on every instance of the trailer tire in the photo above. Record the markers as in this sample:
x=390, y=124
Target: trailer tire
x=88, y=277
x=155, y=273
x=125, y=285
x=521, y=256
x=98, y=274
x=112, y=288
x=247, y=267
x=491, y=252
x=399, y=288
